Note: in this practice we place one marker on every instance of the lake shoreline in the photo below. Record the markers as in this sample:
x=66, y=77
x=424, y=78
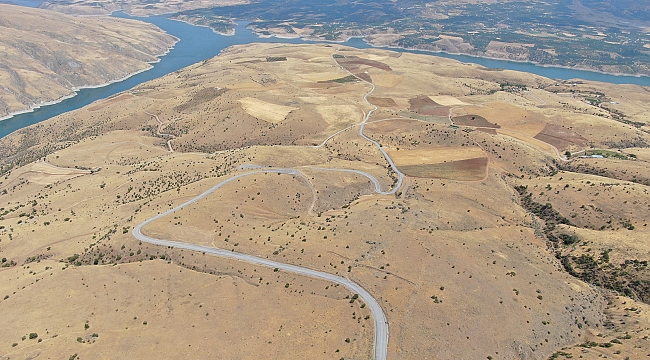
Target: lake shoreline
x=75, y=90
x=233, y=33
x=198, y=43
x=434, y=52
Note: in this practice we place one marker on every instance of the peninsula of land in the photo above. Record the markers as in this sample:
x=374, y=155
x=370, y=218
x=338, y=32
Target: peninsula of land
x=39, y=66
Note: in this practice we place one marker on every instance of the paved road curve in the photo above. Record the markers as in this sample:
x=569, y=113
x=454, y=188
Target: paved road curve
x=400, y=175
x=381, y=324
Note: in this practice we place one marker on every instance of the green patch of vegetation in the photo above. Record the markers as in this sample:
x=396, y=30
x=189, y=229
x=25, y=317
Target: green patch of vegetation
x=629, y=278
x=545, y=211
x=592, y=100
x=610, y=154
x=628, y=225
x=276, y=58
x=347, y=79
x=7, y=263
x=506, y=86
x=568, y=239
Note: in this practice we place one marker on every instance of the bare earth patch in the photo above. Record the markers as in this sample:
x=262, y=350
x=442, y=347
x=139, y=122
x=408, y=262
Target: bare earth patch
x=474, y=120
x=447, y=100
x=423, y=105
x=504, y=114
x=44, y=173
x=382, y=102
x=109, y=101
x=356, y=62
x=454, y=163
x=387, y=79
x=434, y=155
x=266, y=111
x=463, y=170
x=489, y=131
x=200, y=97
x=320, y=76
x=337, y=115
x=560, y=137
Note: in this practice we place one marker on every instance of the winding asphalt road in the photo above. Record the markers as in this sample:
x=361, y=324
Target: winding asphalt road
x=381, y=324
x=400, y=175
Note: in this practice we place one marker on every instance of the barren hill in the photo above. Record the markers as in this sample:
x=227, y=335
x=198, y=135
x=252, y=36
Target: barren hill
x=495, y=245
x=137, y=8
x=47, y=55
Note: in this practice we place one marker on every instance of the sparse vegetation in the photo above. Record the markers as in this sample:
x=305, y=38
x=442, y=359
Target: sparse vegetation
x=402, y=248
x=276, y=58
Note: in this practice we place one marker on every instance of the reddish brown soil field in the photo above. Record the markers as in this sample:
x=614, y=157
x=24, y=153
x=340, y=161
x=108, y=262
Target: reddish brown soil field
x=474, y=120
x=382, y=102
x=349, y=61
x=363, y=76
x=560, y=137
x=464, y=170
x=423, y=105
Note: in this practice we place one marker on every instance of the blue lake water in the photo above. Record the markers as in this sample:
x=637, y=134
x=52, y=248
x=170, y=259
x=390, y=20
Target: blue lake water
x=552, y=72
x=28, y=3
x=200, y=43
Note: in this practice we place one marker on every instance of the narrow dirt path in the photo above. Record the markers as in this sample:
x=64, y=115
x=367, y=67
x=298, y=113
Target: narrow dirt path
x=170, y=137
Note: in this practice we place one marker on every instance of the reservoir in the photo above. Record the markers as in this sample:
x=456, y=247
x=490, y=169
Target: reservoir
x=200, y=43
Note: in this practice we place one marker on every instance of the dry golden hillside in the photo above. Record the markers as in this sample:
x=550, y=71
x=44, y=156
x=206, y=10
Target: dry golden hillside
x=477, y=255
x=40, y=66
x=136, y=8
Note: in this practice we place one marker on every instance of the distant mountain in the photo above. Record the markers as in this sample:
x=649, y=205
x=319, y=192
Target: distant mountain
x=605, y=35
x=627, y=9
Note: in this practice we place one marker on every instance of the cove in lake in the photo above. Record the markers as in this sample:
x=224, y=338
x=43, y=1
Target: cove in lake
x=199, y=43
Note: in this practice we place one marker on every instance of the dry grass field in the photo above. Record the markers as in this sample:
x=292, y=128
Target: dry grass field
x=38, y=66
x=453, y=163
x=270, y=112
x=494, y=246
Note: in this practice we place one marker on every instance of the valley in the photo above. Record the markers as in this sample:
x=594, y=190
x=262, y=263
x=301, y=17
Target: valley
x=458, y=253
